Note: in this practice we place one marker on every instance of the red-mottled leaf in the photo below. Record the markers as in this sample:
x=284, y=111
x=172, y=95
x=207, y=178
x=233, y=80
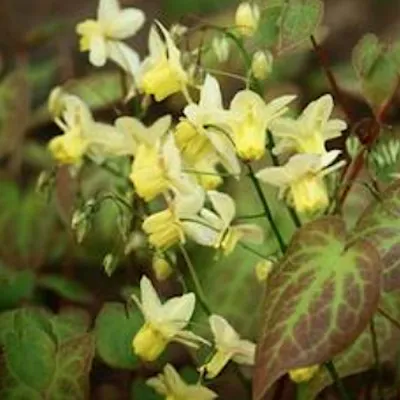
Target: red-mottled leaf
x=318, y=300
x=359, y=356
x=380, y=224
x=40, y=359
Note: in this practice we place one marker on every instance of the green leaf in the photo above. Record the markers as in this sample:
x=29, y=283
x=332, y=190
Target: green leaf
x=366, y=54
x=66, y=288
x=359, y=356
x=70, y=323
x=114, y=330
x=299, y=21
x=268, y=28
x=318, y=299
x=377, y=66
x=15, y=286
x=74, y=360
x=39, y=364
x=380, y=225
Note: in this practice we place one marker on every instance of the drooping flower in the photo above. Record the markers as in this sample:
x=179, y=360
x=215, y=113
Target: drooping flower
x=82, y=135
x=250, y=119
x=309, y=132
x=157, y=168
x=301, y=180
x=299, y=375
x=173, y=387
x=163, y=322
x=166, y=228
x=198, y=154
x=102, y=37
x=229, y=346
x=209, y=122
x=247, y=18
x=215, y=229
x=162, y=73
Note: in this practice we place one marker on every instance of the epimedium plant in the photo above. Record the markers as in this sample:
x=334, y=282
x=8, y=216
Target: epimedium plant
x=330, y=304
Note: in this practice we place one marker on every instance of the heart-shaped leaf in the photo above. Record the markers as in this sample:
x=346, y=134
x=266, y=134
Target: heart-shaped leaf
x=359, y=356
x=115, y=329
x=318, y=300
x=380, y=224
x=299, y=20
x=39, y=364
x=377, y=66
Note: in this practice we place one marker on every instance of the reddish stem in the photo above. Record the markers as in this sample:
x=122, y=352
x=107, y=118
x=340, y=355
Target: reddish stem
x=324, y=62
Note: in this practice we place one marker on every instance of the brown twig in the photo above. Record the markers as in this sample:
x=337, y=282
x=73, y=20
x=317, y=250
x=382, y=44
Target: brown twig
x=324, y=62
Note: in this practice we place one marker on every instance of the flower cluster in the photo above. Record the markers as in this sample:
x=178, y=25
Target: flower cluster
x=178, y=166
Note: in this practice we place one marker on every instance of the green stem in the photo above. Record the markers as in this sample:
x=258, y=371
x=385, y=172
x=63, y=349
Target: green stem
x=198, y=290
x=251, y=250
x=267, y=210
x=375, y=351
x=344, y=395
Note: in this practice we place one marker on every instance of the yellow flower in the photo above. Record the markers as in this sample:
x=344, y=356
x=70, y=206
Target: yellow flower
x=247, y=18
x=75, y=120
x=207, y=175
x=148, y=174
x=192, y=144
x=162, y=73
x=302, y=180
x=250, y=119
x=229, y=346
x=198, y=154
x=82, y=135
x=173, y=387
x=309, y=132
x=214, y=228
x=211, y=123
x=163, y=322
x=165, y=228
x=299, y=375
x=102, y=37
x=261, y=65
x=68, y=148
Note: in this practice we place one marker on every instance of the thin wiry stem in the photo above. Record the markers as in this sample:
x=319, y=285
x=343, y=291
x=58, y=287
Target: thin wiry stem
x=267, y=210
x=344, y=395
x=375, y=350
x=197, y=288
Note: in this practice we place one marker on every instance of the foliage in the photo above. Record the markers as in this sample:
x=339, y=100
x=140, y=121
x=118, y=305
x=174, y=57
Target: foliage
x=159, y=169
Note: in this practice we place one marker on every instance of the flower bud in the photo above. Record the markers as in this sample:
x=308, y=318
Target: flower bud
x=221, y=47
x=263, y=269
x=110, y=263
x=247, y=18
x=261, y=65
x=161, y=267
